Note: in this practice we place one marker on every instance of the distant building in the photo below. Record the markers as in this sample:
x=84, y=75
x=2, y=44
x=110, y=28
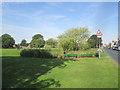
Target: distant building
x=113, y=43
x=29, y=45
x=109, y=45
x=14, y=46
x=104, y=45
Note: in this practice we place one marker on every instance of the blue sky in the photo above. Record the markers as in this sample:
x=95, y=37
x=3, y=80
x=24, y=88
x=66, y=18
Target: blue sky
x=22, y=20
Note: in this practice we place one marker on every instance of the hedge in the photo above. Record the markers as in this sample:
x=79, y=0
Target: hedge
x=41, y=53
x=76, y=55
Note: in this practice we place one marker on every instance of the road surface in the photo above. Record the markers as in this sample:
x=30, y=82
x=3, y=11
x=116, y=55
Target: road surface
x=114, y=54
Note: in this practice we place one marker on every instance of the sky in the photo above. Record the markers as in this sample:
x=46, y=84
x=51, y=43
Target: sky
x=22, y=20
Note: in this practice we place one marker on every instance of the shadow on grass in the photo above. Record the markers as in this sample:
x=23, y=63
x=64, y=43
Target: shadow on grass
x=22, y=72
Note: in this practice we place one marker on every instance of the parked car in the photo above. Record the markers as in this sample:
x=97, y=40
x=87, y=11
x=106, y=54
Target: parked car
x=108, y=47
x=118, y=46
x=114, y=47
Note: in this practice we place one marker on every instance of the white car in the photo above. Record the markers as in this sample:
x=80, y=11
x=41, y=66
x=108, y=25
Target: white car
x=118, y=48
x=114, y=47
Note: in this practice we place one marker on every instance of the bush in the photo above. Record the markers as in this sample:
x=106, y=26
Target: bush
x=56, y=52
x=47, y=48
x=41, y=53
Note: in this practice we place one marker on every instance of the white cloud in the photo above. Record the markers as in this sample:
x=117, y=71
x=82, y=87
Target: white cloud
x=19, y=32
x=36, y=16
x=72, y=10
x=47, y=17
x=54, y=4
x=57, y=16
x=95, y=5
x=111, y=17
x=15, y=13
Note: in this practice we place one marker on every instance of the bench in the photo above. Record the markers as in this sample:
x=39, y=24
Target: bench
x=70, y=55
x=86, y=55
x=76, y=55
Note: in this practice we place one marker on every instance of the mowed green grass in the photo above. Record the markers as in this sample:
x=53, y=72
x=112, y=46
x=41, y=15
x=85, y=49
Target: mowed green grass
x=10, y=52
x=19, y=72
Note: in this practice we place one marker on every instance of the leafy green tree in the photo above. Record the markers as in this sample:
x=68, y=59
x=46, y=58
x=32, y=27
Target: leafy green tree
x=93, y=41
x=84, y=46
x=73, y=39
x=23, y=42
x=51, y=42
x=37, y=36
x=37, y=41
x=7, y=41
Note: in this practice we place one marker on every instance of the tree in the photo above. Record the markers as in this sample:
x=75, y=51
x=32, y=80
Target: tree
x=73, y=39
x=84, y=46
x=7, y=41
x=37, y=36
x=93, y=41
x=37, y=41
x=51, y=42
x=23, y=42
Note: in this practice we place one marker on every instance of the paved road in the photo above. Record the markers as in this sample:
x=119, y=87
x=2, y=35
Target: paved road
x=114, y=54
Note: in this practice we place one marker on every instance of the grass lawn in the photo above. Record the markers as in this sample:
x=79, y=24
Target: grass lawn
x=19, y=72
x=10, y=52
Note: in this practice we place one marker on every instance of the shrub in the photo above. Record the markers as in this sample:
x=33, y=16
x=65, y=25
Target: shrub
x=41, y=53
x=47, y=48
x=57, y=52
x=26, y=52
